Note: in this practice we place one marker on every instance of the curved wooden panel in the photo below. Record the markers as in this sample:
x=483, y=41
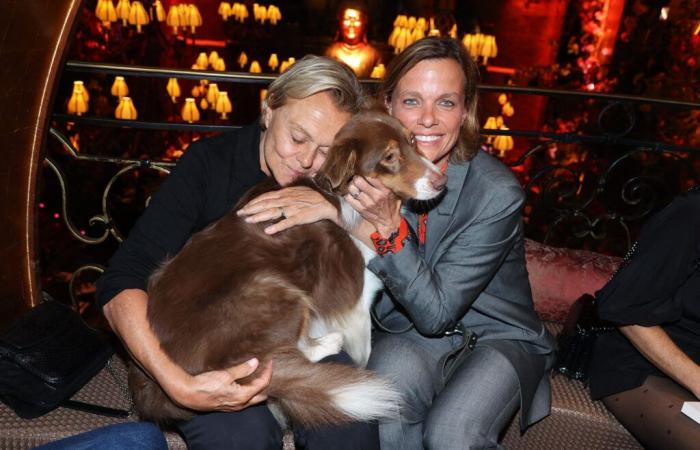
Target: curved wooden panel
x=34, y=35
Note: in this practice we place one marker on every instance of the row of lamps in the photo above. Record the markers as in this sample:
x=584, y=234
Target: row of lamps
x=212, y=98
x=502, y=143
x=184, y=15
x=239, y=12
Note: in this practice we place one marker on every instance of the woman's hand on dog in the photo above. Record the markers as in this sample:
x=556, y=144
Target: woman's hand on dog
x=294, y=205
x=376, y=203
x=220, y=390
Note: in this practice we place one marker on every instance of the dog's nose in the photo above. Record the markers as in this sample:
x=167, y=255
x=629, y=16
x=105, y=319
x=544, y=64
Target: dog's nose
x=439, y=181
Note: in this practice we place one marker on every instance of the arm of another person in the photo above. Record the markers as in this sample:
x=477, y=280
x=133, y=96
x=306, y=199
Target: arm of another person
x=163, y=228
x=437, y=297
x=658, y=347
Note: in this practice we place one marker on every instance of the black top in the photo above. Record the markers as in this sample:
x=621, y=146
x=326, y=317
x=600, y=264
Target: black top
x=207, y=182
x=659, y=286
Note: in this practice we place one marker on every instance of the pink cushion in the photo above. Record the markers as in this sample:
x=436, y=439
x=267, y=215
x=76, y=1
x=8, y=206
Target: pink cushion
x=559, y=276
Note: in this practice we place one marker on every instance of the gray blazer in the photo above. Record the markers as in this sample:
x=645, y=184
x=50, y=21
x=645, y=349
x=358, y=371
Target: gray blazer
x=472, y=270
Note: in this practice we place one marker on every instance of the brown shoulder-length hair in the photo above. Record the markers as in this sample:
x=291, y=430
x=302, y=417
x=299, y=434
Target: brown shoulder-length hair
x=441, y=48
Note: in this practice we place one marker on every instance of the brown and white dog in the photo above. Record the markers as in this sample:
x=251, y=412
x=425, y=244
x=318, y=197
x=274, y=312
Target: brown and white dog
x=233, y=292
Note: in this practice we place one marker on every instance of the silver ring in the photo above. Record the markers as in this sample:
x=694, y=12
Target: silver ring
x=282, y=214
x=357, y=194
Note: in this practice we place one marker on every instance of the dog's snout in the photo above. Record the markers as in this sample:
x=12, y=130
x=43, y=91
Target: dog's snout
x=439, y=181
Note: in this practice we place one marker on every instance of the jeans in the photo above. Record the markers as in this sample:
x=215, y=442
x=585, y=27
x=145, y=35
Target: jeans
x=126, y=436
x=466, y=411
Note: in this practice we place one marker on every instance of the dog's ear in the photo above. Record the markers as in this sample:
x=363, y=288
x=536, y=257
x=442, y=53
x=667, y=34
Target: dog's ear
x=337, y=171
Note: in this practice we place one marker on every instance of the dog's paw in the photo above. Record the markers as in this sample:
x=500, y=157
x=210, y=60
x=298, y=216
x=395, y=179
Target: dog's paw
x=319, y=348
x=332, y=343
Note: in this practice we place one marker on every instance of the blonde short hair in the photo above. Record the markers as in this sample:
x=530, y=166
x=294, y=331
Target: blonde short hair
x=313, y=74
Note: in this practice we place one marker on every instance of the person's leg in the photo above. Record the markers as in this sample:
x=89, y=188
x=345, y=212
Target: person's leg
x=253, y=428
x=652, y=413
x=475, y=405
x=126, y=436
x=352, y=436
x=412, y=362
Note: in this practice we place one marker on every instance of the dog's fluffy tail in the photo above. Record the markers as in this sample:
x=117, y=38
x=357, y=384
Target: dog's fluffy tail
x=313, y=394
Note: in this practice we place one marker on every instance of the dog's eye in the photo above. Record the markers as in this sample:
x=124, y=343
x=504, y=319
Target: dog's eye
x=390, y=157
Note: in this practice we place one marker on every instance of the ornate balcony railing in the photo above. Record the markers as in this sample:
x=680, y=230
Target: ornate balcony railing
x=588, y=187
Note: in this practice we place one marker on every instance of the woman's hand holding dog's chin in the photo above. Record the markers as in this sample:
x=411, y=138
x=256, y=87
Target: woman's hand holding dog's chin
x=376, y=203
x=219, y=390
x=295, y=205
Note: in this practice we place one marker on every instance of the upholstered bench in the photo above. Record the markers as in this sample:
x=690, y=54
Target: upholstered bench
x=558, y=277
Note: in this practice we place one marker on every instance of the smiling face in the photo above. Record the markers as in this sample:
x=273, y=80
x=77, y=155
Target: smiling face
x=298, y=136
x=429, y=101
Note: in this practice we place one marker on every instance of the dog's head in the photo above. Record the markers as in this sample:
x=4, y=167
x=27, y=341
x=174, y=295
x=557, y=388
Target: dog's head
x=374, y=144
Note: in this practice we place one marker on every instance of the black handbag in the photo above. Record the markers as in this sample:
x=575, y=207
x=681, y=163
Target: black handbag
x=46, y=356
x=581, y=328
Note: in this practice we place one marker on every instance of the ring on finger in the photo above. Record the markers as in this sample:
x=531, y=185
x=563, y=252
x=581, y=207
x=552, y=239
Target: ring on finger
x=356, y=194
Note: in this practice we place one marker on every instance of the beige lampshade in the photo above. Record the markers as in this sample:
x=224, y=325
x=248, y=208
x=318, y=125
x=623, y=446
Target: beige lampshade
x=212, y=93
x=119, y=87
x=255, y=67
x=417, y=34
x=138, y=15
x=159, y=10
x=378, y=71
x=285, y=64
x=242, y=59
x=490, y=125
x=223, y=104
x=126, y=109
x=411, y=23
x=105, y=12
x=78, y=102
x=194, y=18
x=503, y=143
x=79, y=87
x=224, y=10
x=393, y=36
x=401, y=21
x=259, y=13
x=202, y=61
x=189, y=112
x=422, y=24
x=274, y=14
x=213, y=56
x=173, y=89
x=123, y=11
x=508, y=110
x=183, y=13
x=489, y=48
x=219, y=65
x=273, y=62
x=173, y=18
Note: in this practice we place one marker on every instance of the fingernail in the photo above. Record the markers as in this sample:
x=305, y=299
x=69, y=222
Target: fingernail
x=269, y=230
x=253, y=362
x=249, y=219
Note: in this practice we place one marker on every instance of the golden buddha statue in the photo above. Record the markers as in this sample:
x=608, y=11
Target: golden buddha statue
x=353, y=48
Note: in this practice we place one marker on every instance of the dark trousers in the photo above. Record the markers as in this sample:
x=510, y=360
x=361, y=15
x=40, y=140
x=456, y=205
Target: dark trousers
x=255, y=428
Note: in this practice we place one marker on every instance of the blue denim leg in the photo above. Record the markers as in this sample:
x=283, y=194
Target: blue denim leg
x=122, y=436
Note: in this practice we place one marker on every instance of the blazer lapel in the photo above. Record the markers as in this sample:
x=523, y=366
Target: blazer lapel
x=440, y=217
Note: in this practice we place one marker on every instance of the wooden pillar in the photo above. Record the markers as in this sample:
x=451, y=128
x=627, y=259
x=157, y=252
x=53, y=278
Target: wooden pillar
x=35, y=34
